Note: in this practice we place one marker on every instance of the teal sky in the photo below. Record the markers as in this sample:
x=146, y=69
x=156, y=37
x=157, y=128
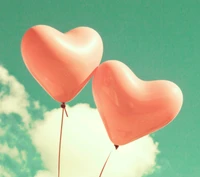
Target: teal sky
x=157, y=39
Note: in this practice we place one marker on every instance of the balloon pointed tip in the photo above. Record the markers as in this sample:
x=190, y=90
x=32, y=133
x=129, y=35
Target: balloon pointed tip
x=116, y=147
x=62, y=105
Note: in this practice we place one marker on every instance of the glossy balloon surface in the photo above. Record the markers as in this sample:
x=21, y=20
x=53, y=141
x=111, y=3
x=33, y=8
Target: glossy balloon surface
x=130, y=107
x=61, y=63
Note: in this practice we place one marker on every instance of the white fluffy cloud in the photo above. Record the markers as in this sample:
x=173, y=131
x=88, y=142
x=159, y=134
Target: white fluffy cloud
x=86, y=146
x=12, y=152
x=5, y=172
x=85, y=141
x=43, y=174
x=14, y=99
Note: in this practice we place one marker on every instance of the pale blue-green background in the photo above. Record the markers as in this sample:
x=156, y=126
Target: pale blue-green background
x=157, y=39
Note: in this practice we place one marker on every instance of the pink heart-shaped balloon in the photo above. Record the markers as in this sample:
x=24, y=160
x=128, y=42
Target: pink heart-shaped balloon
x=61, y=63
x=132, y=108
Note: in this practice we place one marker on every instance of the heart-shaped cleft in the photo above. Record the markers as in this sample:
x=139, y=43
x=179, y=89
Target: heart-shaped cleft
x=130, y=107
x=62, y=63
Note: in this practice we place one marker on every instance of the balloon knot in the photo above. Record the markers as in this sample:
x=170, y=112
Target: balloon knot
x=116, y=146
x=62, y=105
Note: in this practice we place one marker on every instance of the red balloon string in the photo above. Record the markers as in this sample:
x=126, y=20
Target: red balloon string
x=60, y=141
x=116, y=147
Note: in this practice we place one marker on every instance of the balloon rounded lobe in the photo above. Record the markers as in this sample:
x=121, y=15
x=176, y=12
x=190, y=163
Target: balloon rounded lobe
x=61, y=63
x=131, y=108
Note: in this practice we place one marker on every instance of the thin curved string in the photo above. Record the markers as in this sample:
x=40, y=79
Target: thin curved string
x=116, y=147
x=66, y=112
x=60, y=141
